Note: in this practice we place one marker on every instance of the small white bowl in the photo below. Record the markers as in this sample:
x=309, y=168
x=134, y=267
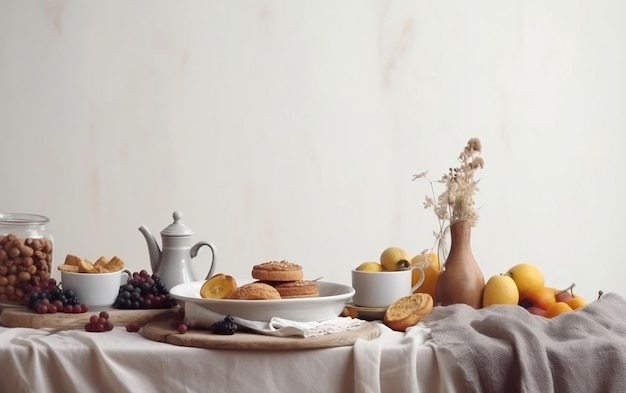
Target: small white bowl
x=96, y=290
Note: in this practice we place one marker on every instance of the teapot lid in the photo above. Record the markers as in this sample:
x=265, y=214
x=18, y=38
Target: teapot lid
x=177, y=228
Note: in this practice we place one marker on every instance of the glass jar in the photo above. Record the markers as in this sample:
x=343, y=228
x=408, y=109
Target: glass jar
x=26, y=249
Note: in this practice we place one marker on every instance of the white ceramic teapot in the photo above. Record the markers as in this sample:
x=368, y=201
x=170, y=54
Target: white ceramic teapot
x=172, y=264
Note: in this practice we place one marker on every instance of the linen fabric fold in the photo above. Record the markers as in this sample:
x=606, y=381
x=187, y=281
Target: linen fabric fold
x=405, y=362
x=504, y=348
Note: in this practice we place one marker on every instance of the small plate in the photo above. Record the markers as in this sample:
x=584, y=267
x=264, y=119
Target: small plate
x=328, y=305
x=366, y=313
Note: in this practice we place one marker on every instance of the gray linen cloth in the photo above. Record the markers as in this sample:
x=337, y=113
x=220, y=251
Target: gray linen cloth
x=507, y=349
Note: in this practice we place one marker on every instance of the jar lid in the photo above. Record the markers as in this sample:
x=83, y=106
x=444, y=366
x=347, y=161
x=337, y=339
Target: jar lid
x=23, y=219
x=177, y=228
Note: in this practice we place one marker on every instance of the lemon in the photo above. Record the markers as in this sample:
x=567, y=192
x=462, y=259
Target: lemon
x=431, y=272
x=370, y=267
x=500, y=289
x=219, y=286
x=395, y=258
x=526, y=276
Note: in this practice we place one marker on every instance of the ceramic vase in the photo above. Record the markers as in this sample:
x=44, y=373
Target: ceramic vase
x=461, y=280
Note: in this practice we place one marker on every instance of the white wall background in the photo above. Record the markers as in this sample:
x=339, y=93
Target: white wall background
x=291, y=129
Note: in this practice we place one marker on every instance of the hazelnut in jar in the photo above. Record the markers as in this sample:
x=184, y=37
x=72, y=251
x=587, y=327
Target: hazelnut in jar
x=26, y=249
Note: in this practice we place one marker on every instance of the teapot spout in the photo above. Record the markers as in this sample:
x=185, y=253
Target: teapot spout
x=153, y=248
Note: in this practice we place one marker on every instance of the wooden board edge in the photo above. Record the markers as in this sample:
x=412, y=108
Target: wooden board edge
x=22, y=317
x=162, y=331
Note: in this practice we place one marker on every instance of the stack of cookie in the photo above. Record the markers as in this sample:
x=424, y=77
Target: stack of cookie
x=277, y=280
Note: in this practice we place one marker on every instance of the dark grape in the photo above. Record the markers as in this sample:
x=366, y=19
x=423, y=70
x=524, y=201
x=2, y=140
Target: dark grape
x=132, y=327
x=143, y=290
x=48, y=297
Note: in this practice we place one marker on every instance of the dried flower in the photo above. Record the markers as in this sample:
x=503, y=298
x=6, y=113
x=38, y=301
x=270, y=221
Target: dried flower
x=456, y=202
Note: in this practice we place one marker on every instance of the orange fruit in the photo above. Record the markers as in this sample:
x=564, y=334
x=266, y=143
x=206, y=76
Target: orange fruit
x=557, y=308
x=541, y=297
x=431, y=273
x=576, y=302
x=219, y=286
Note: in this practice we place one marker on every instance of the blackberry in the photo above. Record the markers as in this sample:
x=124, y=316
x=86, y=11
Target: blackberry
x=226, y=326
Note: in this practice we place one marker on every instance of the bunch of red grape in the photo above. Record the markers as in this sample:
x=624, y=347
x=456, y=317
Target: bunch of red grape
x=49, y=298
x=99, y=323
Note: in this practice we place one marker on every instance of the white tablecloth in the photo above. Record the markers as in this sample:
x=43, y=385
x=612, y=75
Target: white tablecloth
x=38, y=360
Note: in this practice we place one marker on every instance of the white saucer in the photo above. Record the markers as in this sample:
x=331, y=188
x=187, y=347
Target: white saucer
x=366, y=313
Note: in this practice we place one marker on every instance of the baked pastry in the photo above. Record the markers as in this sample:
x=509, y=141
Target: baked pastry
x=277, y=271
x=255, y=291
x=299, y=288
x=408, y=311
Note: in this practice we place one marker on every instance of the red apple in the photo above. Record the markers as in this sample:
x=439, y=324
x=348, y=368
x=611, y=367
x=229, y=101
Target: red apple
x=564, y=295
x=536, y=311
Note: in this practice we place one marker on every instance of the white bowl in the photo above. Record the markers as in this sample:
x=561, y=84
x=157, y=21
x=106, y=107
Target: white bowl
x=333, y=297
x=96, y=290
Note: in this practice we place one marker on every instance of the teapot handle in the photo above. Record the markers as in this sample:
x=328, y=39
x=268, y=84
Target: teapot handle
x=194, y=251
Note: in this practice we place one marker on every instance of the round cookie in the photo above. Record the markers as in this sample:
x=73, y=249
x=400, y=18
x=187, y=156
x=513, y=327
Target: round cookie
x=300, y=288
x=277, y=271
x=408, y=311
x=255, y=291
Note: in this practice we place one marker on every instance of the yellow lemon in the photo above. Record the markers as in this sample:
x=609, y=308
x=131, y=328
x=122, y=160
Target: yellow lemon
x=431, y=273
x=370, y=267
x=500, y=289
x=526, y=276
x=395, y=258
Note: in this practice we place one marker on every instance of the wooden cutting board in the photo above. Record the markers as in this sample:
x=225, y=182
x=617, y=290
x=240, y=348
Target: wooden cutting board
x=163, y=331
x=23, y=317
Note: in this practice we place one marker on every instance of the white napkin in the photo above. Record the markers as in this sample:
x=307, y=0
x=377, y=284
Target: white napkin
x=199, y=317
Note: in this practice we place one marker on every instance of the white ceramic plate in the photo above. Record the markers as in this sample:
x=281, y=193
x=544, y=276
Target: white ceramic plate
x=333, y=297
x=366, y=313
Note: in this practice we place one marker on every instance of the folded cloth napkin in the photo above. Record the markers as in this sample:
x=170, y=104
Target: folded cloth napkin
x=199, y=317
